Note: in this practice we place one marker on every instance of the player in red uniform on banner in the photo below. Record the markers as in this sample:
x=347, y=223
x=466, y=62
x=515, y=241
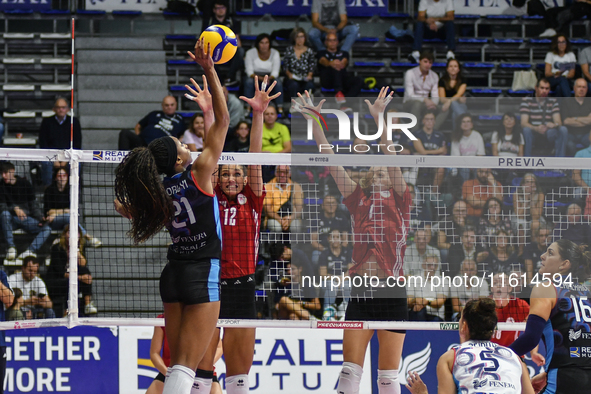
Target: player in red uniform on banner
x=240, y=194
x=510, y=310
x=380, y=209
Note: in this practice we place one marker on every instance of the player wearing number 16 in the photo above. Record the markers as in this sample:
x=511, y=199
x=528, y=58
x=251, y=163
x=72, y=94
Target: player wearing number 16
x=185, y=203
x=560, y=313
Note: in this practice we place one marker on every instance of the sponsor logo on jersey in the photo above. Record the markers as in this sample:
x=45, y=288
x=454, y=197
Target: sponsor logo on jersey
x=479, y=383
x=575, y=352
x=574, y=335
x=241, y=199
x=385, y=194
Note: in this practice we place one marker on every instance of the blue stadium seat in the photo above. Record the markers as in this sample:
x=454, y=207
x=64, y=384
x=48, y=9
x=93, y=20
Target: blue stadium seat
x=490, y=117
x=479, y=65
x=531, y=17
x=369, y=64
x=374, y=90
x=186, y=114
x=54, y=12
x=521, y=66
x=181, y=37
x=403, y=64
x=180, y=62
x=177, y=88
x=19, y=12
x=579, y=41
x=473, y=40
x=434, y=40
x=543, y=41
x=520, y=92
x=390, y=39
x=438, y=65
x=367, y=39
x=399, y=91
x=501, y=17
x=90, y=12
x=126, y=13
x=395, y=15
x=485, y=91
x=467, y=16
x=508, y=41
x=549, y=174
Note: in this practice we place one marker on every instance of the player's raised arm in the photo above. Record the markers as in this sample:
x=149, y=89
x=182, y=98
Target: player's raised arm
x=306, y=107
x=259, y=104
x=203, y=98
x=207, y=161
x=377, y=110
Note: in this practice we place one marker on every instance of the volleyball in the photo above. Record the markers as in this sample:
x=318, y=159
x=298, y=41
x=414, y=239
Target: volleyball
x=222, y=41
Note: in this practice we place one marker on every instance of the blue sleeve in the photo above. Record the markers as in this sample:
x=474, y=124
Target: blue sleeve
x=531, y=337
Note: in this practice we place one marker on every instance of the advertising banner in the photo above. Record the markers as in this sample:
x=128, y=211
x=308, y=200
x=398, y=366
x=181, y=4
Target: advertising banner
x=35, y=5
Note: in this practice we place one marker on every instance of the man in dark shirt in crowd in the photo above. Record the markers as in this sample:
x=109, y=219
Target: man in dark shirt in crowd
x=221, y=16
x=154, y=125
x=332, y=63
x=540, y=240
x=328, y=219
x=54, y=133
x=19, y=209
x=576, y=115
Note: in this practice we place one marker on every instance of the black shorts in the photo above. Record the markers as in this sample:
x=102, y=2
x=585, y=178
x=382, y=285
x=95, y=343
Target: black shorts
x=378, y=304
x=161, y=377
x=567, y=381
x=238, y=298
x=190, y=282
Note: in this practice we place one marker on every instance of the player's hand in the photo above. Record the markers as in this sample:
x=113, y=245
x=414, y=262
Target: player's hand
x=305, y=106
x=539, y=381
x=261, y=99
x=202, y=55
x=415, y=385
x=379, y=106
x=201, y=96
x=538, y=359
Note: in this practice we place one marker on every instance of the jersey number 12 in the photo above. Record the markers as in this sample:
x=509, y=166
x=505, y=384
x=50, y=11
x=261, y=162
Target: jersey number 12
x=230, y=216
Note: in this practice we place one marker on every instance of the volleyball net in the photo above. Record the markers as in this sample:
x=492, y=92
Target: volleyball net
x=465, y=238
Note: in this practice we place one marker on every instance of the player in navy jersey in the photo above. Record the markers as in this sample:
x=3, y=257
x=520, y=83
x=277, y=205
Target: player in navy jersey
x=477, y=365
x=380, y=209
x=560, y=314
x=240, y=194
x=185, y=203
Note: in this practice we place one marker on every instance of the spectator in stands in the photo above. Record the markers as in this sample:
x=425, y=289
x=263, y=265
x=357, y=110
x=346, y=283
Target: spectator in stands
x=584, y=61
x=430, y=142
x=332, y=66
x=193, y=136
x=34, y=289
x=241, y=141
x=283, y=205
x=56, y=205
x=467, y=249
x=421, y=90
x=426, y=300
x=563, y=16
x=433, y=15
x=58, y=274
x=460, y=295
x=154, y=125
x=276, y=136
x=328, y=219
x=14, y=312
x=54, y=133
x=260, y=61
x=330, y=16
x=452, y=91
x=449, y=230
x=299, y=63
x=574, y=228
x=20, y=210
x=541, y=239
x=290, y=305
x=465, y=141
x=576, y=117
x=502, y=256
x=334, y=261
x=540, y=117
x=560, y=66
x=528, y=203
x=491, y=221
x=416, y=254
x=221, y=16
x=582, y=178
x=476, y=192
x=420, y=213
x=235, y=108
x=509, y=142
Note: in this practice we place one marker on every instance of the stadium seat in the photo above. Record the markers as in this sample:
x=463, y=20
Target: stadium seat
x=56, y=60
x=56, y=87
x=18, y=60
x=126, y=13
x=18, y=88
x=20, y=114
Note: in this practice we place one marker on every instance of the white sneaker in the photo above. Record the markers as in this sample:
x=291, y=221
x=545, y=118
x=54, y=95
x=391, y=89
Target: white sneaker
x=548, y=33
x=415, y=55
x=11, y=253
x=26, y=254
x=90, y=309
x=94, y=242
x=450, y=55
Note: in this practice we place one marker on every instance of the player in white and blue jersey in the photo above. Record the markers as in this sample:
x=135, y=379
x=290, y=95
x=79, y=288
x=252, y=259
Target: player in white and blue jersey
x=477, y=365
x=560, y=314
x=185, y=203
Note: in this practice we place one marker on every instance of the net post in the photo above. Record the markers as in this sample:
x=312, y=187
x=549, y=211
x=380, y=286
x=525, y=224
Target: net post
x=73, y=311
x=72, y=93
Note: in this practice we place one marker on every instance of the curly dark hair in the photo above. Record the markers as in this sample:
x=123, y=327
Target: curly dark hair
x=481, y=317
x=139, y=188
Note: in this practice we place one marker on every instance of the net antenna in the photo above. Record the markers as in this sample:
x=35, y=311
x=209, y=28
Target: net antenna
x=74, y=206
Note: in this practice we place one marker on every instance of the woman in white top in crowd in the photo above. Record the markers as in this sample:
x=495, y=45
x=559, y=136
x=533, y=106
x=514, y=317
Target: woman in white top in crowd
x=193, y=136
x=465, y=141
x=560, y=66
x=263, y=60
x=508, y=142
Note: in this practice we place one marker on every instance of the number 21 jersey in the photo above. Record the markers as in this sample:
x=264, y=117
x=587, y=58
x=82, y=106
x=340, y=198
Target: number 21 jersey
x=195, y=230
